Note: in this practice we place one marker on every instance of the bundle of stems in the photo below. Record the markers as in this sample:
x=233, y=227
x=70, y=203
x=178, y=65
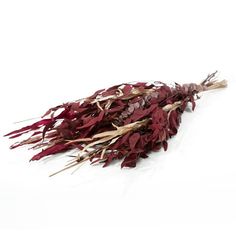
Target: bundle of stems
x=126, y=122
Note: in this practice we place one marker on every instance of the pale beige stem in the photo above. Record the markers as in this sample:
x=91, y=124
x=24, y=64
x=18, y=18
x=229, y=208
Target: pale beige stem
x=217, y=85
x=173, y=106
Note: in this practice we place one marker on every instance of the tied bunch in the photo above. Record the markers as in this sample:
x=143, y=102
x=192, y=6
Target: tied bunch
x=126, y=122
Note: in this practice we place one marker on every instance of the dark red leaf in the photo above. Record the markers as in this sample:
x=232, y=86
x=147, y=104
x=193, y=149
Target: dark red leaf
x=127, y=89
x=49, y=151
x=30, y=127
x=165, y=145
x=47, y=127
x=120, y=141
x=92, y=121
x=140, y=113
x=133, y=139
x=130, y=160
x=193, y=102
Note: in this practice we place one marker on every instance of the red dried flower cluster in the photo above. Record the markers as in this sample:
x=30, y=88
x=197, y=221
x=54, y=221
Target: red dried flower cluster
x=125, y=122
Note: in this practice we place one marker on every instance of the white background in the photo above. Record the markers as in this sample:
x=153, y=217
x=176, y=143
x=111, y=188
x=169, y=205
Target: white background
x=57, y=51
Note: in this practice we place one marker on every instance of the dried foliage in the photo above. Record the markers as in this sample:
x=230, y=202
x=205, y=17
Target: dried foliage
x=126, y=122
